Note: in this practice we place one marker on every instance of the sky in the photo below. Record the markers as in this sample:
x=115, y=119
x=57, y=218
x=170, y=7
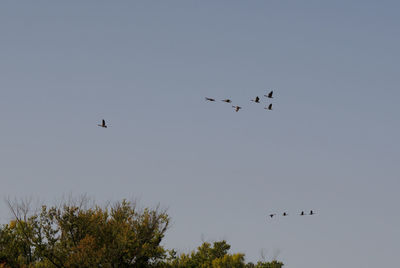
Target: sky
x=330, y=144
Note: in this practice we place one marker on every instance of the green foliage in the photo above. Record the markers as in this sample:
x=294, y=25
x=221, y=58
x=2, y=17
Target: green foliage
x=120, y=236
x=273, y=264
x=76, y=237
x=203, y=257
x=215, y=256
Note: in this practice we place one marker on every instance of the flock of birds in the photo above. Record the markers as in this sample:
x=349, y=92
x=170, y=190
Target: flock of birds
x=237, y=108
x=284, y=214
x=255, y=100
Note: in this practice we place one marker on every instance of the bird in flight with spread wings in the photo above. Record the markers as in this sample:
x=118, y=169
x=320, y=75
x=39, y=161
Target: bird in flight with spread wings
x=103, y=124
x=269, y=95
x=237, y=108
x=269, y=107
x=227, y=100
x=256, y=100
x=210, y=99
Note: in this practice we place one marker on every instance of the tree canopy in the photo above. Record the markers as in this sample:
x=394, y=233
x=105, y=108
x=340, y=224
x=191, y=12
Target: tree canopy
x=115, y=236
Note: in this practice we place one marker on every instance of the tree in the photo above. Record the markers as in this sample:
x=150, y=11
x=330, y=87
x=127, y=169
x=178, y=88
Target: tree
x=120, y=236
x=76, y=234
x=214, y=256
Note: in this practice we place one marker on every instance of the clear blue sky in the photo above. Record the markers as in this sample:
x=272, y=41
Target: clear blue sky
x=331, y=143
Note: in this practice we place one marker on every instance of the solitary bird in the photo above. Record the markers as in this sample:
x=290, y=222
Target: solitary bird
x=284, y=214
x=103, y=124
x=269, y=95
x=269, y=107
x=256, y=100
x=312, y=212
x=272, y=215
x=227, y=100
x=302, y=213
x=210, y=99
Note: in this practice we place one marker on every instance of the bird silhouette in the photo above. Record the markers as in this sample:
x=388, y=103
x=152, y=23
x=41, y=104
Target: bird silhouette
x=269, y=107
x=103, y=124
x=227, y=100
x=302, y=213
x=272, y=215
x=284, y=214
x=312, y=212
x=269, y=95
x=256, y=100
x=210, y=99
x=237, y=108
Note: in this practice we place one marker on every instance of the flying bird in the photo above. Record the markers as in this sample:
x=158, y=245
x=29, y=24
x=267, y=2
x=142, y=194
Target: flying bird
x=312, y=212
x=210, y=99
x=269, y=95
x=103, y=124
x=272, y=215
x=284, y=214
x=237, y=108
x=302, y=213
x=227, y=100
x=269, y=107
x=256, y=100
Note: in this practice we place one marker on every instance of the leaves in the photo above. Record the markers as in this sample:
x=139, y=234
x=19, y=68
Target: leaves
x=75, y=235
